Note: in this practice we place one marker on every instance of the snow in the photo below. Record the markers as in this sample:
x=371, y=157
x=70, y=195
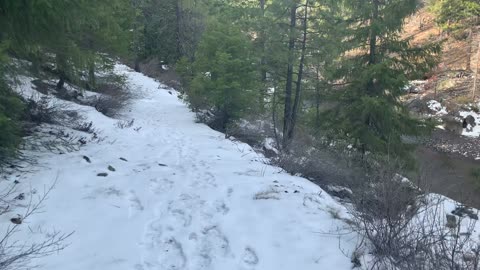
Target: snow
x=437, y=108
x=185, y=198
x=270, y=144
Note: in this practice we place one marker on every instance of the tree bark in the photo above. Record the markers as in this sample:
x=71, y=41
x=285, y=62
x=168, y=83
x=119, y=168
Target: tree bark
x=137, y=64
x=177, y=30
x=372, y=53
x=61, y=81
x=263, y=62
x=469, y=50
x=373, y=35
x=288, y=117
x=91, y=75
x=317, y=95
x=298, y=86
x=475, y=80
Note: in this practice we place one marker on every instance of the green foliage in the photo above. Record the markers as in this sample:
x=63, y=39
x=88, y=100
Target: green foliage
x=75, y=35
x=161, y=33
x=370, y=113
x=451, y=14
x=11, y=110
x=75, y=31
x=223, y=75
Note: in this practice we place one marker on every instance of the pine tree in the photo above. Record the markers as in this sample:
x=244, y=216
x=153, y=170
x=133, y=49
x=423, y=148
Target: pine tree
x=73, y=31
x=224, y=78
x=375, y=69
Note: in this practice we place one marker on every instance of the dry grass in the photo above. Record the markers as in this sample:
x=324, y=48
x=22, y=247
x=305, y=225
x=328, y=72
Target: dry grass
x=270, y=194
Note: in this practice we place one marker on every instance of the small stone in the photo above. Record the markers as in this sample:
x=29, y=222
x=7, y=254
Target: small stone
x=102, y=174
x=87, y=159
x=124, y=159
x=17, y=220
x=20, y=197
x=162, y=165
x=296, y=191
x=16, y=182
x=111, y=168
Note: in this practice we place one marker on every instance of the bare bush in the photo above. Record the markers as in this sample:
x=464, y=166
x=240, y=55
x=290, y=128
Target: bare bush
x=125, y=124
x=43, y=110
x=114, y=95
x=406, y=228
x=57, y=140
x=86, y=127
x=15, y=254
x=270, y=194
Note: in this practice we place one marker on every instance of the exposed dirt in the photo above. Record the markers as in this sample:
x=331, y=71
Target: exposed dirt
x=450, y=175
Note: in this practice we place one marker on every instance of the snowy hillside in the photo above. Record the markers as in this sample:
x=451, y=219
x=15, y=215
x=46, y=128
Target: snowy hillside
x=169, y=193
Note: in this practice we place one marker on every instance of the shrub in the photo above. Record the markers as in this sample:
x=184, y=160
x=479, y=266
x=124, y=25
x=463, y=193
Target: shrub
x=222, y=79
x=11, y=111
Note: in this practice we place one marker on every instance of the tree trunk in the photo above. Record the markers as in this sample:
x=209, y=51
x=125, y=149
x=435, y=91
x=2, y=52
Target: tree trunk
x=475, y=80
x=288, y=117
x=91, y=75
x=61, y=62
x=317, y=96
x=263, y=61
x=468, y=67
x=373, y=35
x=372, y=53
x=137, y=65
x=177, y=30
x=61, y=81
x=298, y=86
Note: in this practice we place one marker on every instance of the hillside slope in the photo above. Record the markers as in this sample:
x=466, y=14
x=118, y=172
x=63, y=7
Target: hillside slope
x=168, y=193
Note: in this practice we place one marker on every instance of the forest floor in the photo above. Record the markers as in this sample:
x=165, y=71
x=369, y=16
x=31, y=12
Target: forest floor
x=164, y=192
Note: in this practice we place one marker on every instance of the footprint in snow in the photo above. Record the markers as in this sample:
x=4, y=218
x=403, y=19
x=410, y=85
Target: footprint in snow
x=171, y=256
x=135, y=204
x=250, y=257
x=215, y=242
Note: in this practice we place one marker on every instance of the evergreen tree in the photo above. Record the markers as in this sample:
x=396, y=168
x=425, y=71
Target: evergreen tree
x=223, y=75
x=375, y=69
x=451, y=14
x=73, y=31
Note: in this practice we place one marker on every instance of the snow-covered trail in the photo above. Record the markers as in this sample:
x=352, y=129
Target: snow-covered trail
x=185, y=198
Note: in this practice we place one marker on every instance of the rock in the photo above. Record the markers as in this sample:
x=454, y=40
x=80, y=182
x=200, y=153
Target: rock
x=87, y=159
x=20, y=197
x=102, y=174
x=111, y=168
x=469, y=123
x=463, y=211
x=162, y=165
x=17, y=220
x=296, y=191
x=124, y=159
x=16, y=182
